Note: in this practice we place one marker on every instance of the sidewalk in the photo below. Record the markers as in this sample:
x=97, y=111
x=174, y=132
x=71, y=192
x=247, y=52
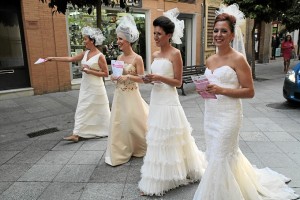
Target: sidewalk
x=47, y=168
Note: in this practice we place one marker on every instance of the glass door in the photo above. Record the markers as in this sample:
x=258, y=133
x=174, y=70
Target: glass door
x=13, y=64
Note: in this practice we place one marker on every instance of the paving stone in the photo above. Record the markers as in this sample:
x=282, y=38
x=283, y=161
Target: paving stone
x=253, y=136
x=75, y=173
x=40, y=145
x=15, y=145
x=279, y=136
x=107, y=174
x=6, y=155
x=263, y=147
x=102, y=191
x=27, y=157
x=24, y=191
x=289, y=147
x=94, y=145
x=67, y=146
x=4, y=186
x=12, y=172
x=56, y=157
x=86, y=157
x=41, y=173
x=63, y=191
x=276, y=160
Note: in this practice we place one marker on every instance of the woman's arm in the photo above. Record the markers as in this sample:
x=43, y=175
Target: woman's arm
x=176, y=60
x=76, y=58
x=139, y=64
x=103, y=66
x=244, y=76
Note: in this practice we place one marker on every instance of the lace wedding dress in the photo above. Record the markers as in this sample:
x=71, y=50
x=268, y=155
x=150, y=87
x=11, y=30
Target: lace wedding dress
x=229, y=175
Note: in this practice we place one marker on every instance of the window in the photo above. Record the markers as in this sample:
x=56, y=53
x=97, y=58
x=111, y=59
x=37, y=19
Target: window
x=79, y=18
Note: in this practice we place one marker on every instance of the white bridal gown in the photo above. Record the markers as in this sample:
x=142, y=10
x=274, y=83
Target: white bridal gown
x=172, y=158
x=92, y=113
x=229, y=175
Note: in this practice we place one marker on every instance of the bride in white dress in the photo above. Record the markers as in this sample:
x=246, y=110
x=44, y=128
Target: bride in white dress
x=172, y=158
x=92, y=113
x=229, y=175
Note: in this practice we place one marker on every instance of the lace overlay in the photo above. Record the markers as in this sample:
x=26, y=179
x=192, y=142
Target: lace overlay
x=128, y=85
x=229, y=175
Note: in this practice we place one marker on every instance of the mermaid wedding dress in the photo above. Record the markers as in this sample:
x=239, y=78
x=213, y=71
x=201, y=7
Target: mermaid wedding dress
x=229, y=175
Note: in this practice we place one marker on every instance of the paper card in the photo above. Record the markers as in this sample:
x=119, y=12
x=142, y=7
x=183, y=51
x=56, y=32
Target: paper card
x=201, y=83
x=117, y=67
x=40, y=60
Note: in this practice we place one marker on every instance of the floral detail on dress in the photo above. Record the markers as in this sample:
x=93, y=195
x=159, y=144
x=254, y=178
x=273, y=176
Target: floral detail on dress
x=127, y=85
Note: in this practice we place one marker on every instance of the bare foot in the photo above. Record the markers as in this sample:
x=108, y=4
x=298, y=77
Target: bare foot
x=142, y=194
x=73, y=138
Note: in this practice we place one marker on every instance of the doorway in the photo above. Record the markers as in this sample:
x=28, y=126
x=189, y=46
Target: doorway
x=13, y=63
x=186, y=48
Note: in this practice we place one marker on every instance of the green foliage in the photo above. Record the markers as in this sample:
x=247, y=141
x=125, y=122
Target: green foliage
x=262, y=10
x=61, y=5
x=291, y=18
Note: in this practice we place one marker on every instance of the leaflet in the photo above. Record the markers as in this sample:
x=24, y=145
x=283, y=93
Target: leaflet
x=201, y=83
x=117, y=67
x=40, y=60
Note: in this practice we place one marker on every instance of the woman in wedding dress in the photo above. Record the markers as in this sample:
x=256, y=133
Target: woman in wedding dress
x=229, y=175
x=92, y=113
x=129, y=113
x=172, y=158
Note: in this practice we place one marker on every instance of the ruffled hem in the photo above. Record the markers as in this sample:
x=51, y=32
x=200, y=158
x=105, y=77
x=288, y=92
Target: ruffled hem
x=234, y=178
x=172, y=159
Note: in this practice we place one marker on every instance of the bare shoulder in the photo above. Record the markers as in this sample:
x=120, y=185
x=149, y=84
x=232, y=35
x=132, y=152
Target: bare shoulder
x=210, y=60
x=239, y=61
x=175, y=52
x=156, y=54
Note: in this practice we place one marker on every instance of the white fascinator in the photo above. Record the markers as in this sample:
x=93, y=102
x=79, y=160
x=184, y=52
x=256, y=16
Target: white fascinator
x=179, y=25
x=238, y=41
x=94, y=33
x=128, y=29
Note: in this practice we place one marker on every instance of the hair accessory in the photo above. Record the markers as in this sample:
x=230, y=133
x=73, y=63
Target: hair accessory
x=238, y=41
x=94, y=33
x=179, y=25
x=128, y=28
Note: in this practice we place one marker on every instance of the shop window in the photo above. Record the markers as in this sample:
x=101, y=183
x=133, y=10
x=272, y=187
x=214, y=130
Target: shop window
x=79, y=18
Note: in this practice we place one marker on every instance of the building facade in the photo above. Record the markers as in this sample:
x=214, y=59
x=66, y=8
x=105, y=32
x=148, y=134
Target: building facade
x=30, y=31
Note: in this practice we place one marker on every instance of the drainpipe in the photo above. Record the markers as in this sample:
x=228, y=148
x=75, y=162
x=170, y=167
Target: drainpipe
x=202, y=49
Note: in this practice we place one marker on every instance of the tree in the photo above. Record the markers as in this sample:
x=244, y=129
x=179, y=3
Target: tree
x=291, y=18
x=60, y=6
x=261, y=11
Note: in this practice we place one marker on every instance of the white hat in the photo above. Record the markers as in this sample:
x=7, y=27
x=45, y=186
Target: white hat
x=127, y=27
x=94, y=33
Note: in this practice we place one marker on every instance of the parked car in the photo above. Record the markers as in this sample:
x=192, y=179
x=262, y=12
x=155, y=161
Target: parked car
x=291, y=85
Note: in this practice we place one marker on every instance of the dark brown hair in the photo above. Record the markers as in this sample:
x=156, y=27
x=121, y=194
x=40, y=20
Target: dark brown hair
x=165, y=23
x=230, y=19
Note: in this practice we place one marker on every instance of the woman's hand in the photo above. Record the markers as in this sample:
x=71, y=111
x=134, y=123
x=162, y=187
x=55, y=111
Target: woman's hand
x=214, y=89
x=123, y=78
x=113, y=78
x=48, y=59
x=153, y=78
x=86, y=70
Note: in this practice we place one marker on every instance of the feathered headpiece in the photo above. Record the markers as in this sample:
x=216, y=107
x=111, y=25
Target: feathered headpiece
x=94, y=33
x=179, y=25
x=238, y=41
